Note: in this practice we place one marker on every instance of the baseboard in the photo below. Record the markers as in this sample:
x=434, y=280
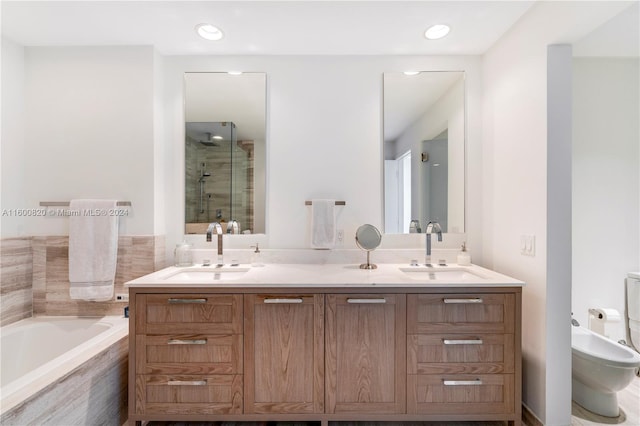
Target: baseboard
x=528, y=418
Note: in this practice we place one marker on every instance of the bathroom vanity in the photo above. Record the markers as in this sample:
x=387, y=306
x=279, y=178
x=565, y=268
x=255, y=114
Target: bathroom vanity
x=325, y=343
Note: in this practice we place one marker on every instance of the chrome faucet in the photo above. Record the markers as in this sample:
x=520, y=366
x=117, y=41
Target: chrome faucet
x=216, y=228
x=233, y=227
x=432, y=228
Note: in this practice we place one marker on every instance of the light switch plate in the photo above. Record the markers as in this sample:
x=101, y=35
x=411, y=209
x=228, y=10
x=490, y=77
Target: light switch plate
x=528, y=245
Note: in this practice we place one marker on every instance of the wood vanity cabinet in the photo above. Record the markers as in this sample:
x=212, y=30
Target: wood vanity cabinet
x=329, y=354
x=366, y=353
x=462, y=355
x=284, y=353
x=187, y=353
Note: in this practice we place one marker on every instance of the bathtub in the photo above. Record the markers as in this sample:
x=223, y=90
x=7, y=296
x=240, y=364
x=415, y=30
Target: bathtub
x=40, y=355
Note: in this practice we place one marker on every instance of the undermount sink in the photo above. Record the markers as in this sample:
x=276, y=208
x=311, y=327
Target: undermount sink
x=442, y=273
x=206, y=274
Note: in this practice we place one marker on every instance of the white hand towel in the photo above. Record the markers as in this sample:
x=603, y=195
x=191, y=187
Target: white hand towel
x=93, y=249
x=323, y=224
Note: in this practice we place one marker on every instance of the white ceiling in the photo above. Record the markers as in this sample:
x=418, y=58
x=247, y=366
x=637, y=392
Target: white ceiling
x=294, y=27
x=265, y=27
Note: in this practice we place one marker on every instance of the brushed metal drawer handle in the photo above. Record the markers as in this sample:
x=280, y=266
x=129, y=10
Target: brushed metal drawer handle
x=377, y=300
x=187, y=342
x=462, y=342
x=476, y=382
x=283, y=300
x=193, y=301
x=473, y=300
x=187, y=383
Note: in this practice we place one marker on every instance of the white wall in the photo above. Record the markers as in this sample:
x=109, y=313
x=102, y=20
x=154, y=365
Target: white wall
x=13, y=150
x=108, y=122
x=606, y=183
x=515, y=186
x=324, y=131
x=89, y=133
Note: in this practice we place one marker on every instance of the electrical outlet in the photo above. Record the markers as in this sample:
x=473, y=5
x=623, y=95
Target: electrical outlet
x=340, y=236
x=122, y=297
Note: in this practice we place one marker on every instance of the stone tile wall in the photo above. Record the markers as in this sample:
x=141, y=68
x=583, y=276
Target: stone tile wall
x=16, y=277
x=35, y=275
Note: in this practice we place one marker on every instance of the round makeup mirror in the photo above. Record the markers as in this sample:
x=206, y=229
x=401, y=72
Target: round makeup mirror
x=368, y=238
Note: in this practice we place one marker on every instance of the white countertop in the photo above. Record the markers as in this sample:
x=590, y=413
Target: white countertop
x=326, y=276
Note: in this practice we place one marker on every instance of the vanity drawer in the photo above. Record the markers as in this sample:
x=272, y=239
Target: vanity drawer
x=459, y=394
x=189, y=394
x=189, y=314
x=189, y=354
x=460, y=354
x=460, y=313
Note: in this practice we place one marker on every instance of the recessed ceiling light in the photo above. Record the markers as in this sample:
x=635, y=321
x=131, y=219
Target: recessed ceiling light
x=209, y=32
x=437, y=31
x=411, y=72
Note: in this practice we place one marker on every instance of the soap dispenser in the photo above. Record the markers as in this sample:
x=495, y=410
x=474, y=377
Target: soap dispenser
x=256, y=256
x=464, y=258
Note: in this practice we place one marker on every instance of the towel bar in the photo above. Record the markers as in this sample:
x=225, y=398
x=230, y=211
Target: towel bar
x=338, y=203
x=66, y=203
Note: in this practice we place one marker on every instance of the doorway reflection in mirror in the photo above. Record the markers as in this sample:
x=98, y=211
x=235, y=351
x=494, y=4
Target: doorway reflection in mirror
x=424, y=151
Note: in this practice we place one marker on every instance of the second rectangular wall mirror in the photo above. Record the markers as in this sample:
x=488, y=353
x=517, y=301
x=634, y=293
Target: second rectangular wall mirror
x=424, y=151
x=225, y=151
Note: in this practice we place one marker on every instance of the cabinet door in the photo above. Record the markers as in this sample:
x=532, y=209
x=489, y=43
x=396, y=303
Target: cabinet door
x=366, y=353
x=284, y=354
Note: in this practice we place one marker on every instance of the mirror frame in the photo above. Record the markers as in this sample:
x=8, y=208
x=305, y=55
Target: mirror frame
x=465, y=150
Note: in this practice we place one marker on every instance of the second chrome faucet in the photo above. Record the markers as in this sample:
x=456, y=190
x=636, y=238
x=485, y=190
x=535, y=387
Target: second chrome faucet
x=432, y=228
x=215, y=228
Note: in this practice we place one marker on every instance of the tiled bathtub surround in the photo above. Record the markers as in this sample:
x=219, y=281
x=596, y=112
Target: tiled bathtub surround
x=93, y=393
x=16, y=277
x=35, y=275
x=137, y=256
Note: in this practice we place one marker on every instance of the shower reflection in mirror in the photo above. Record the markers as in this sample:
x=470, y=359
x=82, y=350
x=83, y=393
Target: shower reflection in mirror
x=219, y=175
x=225, y=151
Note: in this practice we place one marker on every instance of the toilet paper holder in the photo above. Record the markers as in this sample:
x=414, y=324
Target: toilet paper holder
x=606, y=314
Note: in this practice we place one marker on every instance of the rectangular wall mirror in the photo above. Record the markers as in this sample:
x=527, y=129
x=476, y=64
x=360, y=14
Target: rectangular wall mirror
x=225, y=151
x=424, y=151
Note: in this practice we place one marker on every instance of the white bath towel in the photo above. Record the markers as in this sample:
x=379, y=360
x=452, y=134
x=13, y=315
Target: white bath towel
x=93, y=249
x=323, y=224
